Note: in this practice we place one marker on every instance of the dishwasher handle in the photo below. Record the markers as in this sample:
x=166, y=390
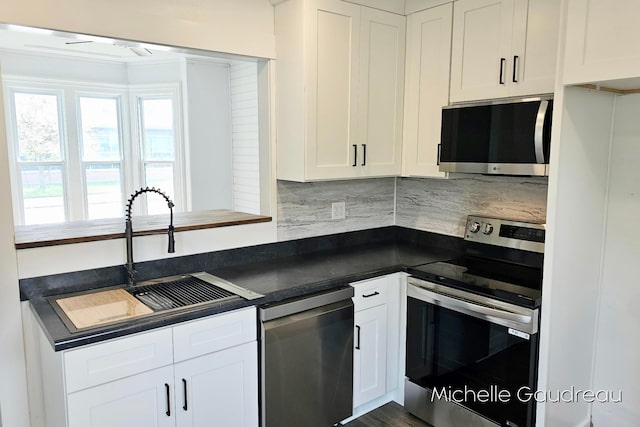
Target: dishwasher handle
x=298, y=305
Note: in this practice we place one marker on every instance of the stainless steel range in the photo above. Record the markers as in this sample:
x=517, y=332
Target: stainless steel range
x=472, y=329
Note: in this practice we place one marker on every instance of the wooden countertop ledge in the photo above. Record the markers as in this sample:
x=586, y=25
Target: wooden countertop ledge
x=35, y=236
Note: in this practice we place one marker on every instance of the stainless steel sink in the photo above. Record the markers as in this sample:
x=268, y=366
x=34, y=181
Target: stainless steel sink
x=96, y=308
x=186, y=290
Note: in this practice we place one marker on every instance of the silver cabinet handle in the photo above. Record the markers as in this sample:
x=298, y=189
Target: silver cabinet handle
x=538, y=135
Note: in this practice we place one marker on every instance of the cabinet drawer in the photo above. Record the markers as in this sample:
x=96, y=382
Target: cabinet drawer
x=369, y=293
x=214, y=333
x=108, y=361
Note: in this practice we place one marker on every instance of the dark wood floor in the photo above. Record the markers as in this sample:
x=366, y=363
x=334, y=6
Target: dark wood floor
x=389, y=415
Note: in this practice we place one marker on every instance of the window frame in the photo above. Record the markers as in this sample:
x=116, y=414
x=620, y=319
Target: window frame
x=137, y=94
x=69, y=94
x=123, y=130
x=15, y=165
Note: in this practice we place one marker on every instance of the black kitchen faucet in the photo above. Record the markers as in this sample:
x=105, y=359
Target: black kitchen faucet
x=128, y=231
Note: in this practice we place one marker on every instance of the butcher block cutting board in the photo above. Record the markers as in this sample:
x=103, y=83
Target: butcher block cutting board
x=98, y=308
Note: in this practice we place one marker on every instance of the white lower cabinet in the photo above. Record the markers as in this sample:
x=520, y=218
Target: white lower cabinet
x=143, y=400
x=196, y=374
x=221, y=386
x=370, y=355
x=370, y=340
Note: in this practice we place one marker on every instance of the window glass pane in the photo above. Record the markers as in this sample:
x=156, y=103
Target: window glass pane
x=104, y=191
x=100, y=131
x=38, y=127
x=157, y=125
x=159, y=175
x=42, y=193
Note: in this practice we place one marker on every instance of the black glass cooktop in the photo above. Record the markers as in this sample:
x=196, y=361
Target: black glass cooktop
x=505, y=281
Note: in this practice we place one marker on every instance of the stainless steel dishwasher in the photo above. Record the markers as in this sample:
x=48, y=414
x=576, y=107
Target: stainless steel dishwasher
x=306, y=360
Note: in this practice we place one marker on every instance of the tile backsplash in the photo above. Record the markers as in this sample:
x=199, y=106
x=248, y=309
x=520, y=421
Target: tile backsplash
x=435, y=205
x=442, y=205
x=304, y=209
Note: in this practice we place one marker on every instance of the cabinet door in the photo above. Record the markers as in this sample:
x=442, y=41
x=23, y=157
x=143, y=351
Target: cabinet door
x=382, y=47
x=536, y=24
x=143, y=400
x=481, y=47
x=602, y=40
x=370, y=354
x=219, y=389
x=426, y=88
x=333, y=33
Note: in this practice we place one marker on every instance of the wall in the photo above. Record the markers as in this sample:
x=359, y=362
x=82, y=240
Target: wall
x=442, y=205
x=243, y=27
x=304, y=209
x=13, y=386
x=617, y=344
x=209, y=112
x=245, y=140
x=573, y=249
x=68, y=69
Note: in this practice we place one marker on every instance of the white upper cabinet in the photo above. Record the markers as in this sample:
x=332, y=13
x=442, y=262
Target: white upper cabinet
x=340, y=74
x=426, y=88
x=481, y=44
x=536, y=25
x=382, y=49
x=603, y=41
x=331, y=85
x=503, y=48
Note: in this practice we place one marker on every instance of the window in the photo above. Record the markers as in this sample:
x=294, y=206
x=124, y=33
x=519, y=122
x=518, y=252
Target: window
x=69, y=142
x=40, y=163
x=158, y=138
x=101, y=149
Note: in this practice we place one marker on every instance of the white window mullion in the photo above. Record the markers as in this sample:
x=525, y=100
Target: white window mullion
x=77, y=198
x=136, y=166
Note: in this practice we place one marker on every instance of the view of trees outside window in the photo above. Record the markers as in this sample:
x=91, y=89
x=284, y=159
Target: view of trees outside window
x=40, y=157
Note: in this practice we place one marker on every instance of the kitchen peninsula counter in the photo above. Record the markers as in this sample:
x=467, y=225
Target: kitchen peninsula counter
x=279, y=271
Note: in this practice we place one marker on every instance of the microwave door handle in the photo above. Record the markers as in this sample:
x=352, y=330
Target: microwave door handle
x=538, y=135
x=493, y=315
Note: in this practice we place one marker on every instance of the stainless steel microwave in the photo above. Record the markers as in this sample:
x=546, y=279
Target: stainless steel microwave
x=506, y=137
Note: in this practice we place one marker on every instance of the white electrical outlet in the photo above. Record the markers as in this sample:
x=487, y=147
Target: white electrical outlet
x=338, y=210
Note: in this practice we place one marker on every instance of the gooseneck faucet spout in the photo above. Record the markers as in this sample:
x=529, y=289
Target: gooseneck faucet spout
x=128, y=231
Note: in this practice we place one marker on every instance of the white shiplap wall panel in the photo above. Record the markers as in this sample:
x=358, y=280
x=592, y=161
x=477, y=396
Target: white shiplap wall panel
x=244, y=123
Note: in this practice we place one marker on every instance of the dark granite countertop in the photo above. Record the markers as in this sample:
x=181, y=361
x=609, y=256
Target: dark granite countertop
x=277, y=279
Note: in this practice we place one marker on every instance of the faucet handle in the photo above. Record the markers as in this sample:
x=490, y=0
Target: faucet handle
x=172, y=241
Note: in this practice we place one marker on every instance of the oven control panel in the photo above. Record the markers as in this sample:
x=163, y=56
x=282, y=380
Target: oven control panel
x=507, y=233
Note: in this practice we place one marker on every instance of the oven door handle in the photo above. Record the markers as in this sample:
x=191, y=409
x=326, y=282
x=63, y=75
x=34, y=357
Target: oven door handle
x=522, y=322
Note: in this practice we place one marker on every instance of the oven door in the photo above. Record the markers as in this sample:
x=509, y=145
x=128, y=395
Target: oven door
x=470, y=359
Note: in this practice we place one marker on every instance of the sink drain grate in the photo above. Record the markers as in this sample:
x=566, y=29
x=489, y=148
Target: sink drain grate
x=179, y=293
